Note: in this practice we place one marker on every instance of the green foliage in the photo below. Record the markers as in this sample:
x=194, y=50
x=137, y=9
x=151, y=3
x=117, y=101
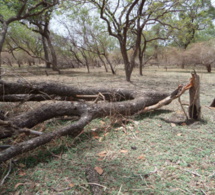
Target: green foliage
x=6, y=9
x=194, y=18
x=14, y=8
x=21, y=36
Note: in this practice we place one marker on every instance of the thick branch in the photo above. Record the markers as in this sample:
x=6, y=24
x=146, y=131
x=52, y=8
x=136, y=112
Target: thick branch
x=31, y=144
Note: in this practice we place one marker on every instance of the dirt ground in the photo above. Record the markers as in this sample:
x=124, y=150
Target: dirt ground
x=155, y=153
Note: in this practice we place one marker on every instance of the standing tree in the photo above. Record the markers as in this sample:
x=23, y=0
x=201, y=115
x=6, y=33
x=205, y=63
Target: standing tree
x=40, y=24
x=21, y=39
x=195, y=17
x=87, y=34
x=14, y=10
x=126, y=20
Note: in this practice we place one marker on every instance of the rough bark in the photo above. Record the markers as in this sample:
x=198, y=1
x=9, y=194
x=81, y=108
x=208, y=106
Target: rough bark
x=114, y=102
x=195, y=107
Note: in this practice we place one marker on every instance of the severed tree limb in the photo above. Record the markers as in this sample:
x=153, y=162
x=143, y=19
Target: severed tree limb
x=175, y=94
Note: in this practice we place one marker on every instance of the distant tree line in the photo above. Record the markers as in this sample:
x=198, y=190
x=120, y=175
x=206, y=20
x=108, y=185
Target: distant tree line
x=106, y=33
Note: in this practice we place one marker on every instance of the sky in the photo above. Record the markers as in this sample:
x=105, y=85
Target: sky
x=59, y=28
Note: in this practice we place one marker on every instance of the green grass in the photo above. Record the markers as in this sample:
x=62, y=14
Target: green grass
x=147, y=156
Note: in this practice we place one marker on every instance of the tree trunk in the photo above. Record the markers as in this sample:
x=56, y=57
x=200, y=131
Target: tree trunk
x=141, y=65
x=19, y=63
x=2, y=39
x=46, y=53
x=127, y=65
x=111, y=66
x=53, y=54
x=208, y=67
x=106, y=70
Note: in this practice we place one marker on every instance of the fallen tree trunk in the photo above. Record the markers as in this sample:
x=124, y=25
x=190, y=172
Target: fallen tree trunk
x=120, y=102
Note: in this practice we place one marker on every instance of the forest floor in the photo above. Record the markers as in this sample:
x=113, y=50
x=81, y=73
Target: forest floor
x=154, y=153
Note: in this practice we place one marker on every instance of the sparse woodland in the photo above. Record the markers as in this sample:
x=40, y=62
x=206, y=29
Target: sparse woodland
x=54, y=37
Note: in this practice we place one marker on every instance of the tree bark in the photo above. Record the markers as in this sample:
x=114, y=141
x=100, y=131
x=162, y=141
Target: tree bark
x=53, y=54
x=141, y=65
x=46, y=53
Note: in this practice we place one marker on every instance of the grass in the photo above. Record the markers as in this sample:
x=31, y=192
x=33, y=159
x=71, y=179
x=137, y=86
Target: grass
x=154, y=154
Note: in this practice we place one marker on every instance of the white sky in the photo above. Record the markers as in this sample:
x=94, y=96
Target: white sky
x=60, y=29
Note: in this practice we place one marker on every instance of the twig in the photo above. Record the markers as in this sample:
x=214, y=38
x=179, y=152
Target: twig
x=96, y=184
x=98, y=97
x=30, y=131
x=179, y=100
x=80, y=185
x=212, y=175
x=5, y=177
x=119, y=190
x=151, y=172
x=5, y=123
x=27, y=131
x=194, y=173
x=203, y=192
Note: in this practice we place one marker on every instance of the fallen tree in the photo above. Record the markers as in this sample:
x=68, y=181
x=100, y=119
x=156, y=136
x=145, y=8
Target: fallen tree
x=85, y=104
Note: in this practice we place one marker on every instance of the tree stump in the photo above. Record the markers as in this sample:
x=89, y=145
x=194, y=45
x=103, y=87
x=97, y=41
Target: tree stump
x=194, y=92
x=213, y=103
